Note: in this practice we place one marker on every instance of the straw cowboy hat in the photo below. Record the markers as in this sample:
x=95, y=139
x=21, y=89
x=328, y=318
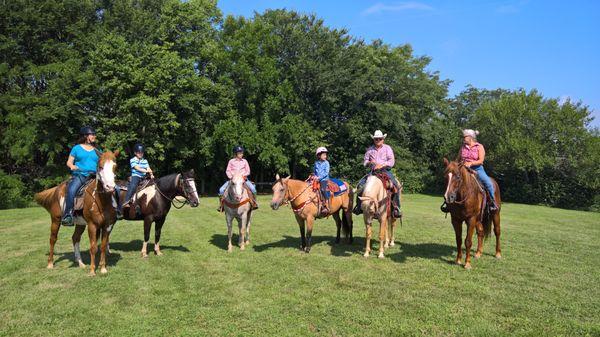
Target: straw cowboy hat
x=379, y=134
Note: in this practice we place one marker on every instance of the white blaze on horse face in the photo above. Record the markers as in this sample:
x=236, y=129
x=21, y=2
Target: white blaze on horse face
x=448, y=186
x=108, y=175
x=238, y=189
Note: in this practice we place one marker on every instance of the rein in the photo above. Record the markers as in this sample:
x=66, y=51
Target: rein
x=172, y=200
x=288, y=199
x=234, y=205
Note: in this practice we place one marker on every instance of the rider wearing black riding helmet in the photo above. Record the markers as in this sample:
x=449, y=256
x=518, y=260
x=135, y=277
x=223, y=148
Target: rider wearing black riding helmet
x=139, y=169
x=239, y=165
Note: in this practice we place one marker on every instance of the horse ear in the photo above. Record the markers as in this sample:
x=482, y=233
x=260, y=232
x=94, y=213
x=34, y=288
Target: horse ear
x=287, y=178
x=363, y=198
x=446, y=162
x=277, y=178
x=117, y=153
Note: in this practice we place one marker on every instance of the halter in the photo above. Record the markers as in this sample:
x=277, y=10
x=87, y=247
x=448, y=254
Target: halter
x=186, y=193
x=287, y=198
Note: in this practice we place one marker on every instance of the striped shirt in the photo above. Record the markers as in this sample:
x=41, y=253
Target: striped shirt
x=142, y=163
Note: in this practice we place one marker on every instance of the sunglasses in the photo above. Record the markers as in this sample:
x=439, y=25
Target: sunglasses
x=377, y=139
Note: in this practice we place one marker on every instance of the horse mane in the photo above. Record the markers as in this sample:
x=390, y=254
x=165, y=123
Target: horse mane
x=166, y=182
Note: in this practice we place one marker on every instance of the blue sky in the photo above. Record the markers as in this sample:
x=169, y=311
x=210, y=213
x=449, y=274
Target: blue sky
x=552, y=46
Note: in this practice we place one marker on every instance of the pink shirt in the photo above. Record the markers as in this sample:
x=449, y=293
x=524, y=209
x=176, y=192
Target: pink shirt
x=382, y=156
x=236, y=165
x=470, y=153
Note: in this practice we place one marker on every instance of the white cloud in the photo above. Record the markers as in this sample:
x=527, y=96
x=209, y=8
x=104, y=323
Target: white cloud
x=396, y=7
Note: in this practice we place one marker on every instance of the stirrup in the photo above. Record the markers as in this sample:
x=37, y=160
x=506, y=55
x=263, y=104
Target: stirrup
x=67, y=220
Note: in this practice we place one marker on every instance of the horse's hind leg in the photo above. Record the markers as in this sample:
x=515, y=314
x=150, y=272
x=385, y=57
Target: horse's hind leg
x=147, y=226
x=93, y=234
x=242, y=230
x=301, y=224
x=392, y=230
x=382, y=236
x=368, y=233
x=496, y=220
x=54, y=227
x=158, y=223
x=248, y=221
x=338, y=223
x=103, y=248
x=471, y=224
x=79, y=229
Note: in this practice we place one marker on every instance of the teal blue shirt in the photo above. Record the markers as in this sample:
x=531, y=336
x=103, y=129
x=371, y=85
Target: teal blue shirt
x=86, y=161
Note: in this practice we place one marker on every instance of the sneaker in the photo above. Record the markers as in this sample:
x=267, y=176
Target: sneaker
x=493, y=207
x=67, y=220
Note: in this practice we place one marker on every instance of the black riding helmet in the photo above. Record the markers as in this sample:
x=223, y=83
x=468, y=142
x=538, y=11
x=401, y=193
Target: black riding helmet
x=139, y=148
x=87, y=130
x=237, y=149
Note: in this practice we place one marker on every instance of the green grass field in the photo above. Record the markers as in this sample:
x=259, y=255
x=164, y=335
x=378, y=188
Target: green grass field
x=548, y=282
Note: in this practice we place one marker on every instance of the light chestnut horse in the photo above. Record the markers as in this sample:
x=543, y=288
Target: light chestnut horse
x=304, y=204
x=237, y=205
x=466, y=204
x=98, y=212
x=377, y=203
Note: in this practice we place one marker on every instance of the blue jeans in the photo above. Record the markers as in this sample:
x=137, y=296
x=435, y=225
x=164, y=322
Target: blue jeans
x=250, y=185
x=485, y=180
x=324, y=190
x=74, y=185
x=133, y=184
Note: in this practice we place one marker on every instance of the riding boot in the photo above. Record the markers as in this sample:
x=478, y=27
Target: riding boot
x=220, y=208
x=253, y=202
x=358, y=208
x=493, y=206
x=397, y=213
x=67, y=220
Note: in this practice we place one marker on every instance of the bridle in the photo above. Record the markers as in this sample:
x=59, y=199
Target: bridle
x=287, y=198
x=187, y=190
x=228, y=196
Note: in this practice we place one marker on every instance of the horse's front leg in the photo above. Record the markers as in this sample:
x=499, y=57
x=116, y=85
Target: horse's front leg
x=368, y=233
x=76, y=248
x=93, y=235
x=392, y=231
x=229, y=220
x=383, y=221
x=471, y=224
x=457, y=224
x=248, y=221
x=480, y=235
x=300, y=222
x=242, y=229
x=309, y=228
x=147, y=225
x=103, y=249
x=54, y=227
x=158, y=224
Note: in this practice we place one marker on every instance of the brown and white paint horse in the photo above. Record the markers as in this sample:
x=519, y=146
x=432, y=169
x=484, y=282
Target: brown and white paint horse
x=377, y=203
x=465, y=203
x=237, y=205
x=155, y=201
x=98, y=212
x=304, y=204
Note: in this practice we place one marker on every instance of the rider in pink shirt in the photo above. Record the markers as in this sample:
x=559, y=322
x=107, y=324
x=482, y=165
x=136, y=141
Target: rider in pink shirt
x=238, y=164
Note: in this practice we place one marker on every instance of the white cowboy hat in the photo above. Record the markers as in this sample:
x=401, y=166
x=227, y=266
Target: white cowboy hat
x=379, y=134
x=321, y=150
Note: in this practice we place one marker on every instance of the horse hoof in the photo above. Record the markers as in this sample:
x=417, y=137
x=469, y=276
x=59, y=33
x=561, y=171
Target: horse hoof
x=366, y=254
x=81, y=264
x=392, y=244
x=381, y=256
x=468, y=266
x=230, y=249
x=247, y=242
x=498, y=256
x=458, y=262
x=242, y=247
x=92, y=273
x=50, y=266
x=144, y=255
x=158, y=252
x=477, y=255
x=103, y=270
x=386, y=245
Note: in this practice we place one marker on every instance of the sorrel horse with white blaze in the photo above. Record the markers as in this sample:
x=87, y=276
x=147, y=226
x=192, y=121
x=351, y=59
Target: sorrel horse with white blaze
x=466, y=202
x=155, y=201
x=237, y=205
x=98, y=212
x=304, y=202
x=377, y=203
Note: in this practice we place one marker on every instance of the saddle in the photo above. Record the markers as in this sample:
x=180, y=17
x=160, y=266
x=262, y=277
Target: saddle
x=123, y=186
x=387, y=182
x=79, y=197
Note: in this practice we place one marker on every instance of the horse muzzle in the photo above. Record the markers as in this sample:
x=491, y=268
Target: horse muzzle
x=275, y=205
x=451, y=198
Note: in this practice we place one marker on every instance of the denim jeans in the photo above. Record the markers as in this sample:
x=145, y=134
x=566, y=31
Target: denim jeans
x=324, y=191
x=133, y=184
x=250, y=185
x=74, y=185
x=485, y=180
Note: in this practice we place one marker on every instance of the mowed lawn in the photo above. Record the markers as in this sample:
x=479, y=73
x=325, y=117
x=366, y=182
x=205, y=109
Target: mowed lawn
x=547, y=284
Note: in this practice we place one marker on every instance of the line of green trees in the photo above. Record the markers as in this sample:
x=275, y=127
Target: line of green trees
x=190, y=83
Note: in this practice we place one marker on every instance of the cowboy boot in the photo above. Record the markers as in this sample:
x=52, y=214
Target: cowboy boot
x=493, y=206
x=220, y=208
x=358, y=208
x=397, y=213
x=253, y=202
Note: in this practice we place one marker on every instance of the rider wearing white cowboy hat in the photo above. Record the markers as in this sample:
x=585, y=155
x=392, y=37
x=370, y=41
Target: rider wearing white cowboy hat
x=379, y=158
x=321, y=171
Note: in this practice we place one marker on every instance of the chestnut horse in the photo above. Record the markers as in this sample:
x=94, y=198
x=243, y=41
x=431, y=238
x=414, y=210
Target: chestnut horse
x=465, y=203
x=304, y=204
x=98, y=212
x=377, y=203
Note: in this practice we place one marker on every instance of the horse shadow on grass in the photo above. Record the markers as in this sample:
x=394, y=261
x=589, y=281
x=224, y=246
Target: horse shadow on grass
x=423, y=251
x=111, y=259
x=337, y=249
x=136, y=245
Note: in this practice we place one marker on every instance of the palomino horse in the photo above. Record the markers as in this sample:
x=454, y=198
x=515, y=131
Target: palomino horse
x=377, y=203
x=155, y=201
x=237, y=205
x=98, y=212
x=304, y=204
x=466, y=203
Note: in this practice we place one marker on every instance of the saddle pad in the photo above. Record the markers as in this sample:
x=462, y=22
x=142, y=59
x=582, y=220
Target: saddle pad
x=337, y=186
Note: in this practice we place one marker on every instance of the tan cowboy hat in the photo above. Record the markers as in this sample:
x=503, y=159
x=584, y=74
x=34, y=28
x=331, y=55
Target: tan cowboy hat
x=378, y=134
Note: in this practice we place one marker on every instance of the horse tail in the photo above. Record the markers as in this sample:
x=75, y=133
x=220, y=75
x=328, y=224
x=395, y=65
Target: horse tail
x=487, y=223
x=46, y=198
